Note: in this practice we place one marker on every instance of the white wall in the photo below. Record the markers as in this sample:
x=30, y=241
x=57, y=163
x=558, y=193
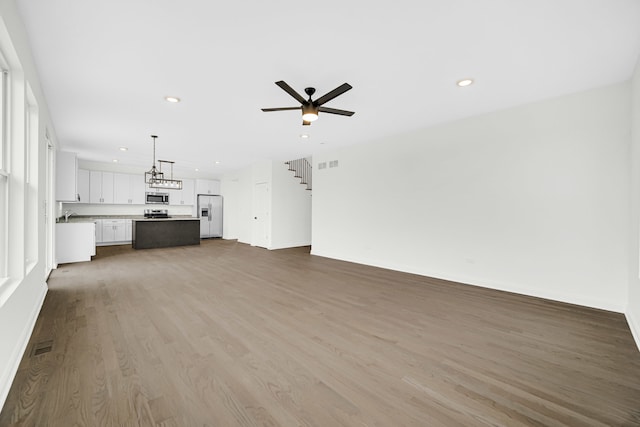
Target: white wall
x=229, y=189
x=532, y=200
x=633, y=306
x=291, y=209
x=237, y=190
x=289, y=222
x=21, y=296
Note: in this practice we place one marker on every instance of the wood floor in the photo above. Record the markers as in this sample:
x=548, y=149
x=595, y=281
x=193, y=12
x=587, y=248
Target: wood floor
x=224, y=334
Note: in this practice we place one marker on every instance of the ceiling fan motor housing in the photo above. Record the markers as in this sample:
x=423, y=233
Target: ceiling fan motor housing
x=309, y=91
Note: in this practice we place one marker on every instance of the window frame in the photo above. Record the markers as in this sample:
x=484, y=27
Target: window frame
x=4, y=169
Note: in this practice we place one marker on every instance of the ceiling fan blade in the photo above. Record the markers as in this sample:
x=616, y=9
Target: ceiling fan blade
x=306, y=123
x=280, y=109
x=330, y=95
x=291, y=92
x=336, y=111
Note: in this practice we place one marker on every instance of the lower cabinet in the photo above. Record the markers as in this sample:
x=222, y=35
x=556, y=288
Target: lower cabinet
x=74, y=242
x=113, y=231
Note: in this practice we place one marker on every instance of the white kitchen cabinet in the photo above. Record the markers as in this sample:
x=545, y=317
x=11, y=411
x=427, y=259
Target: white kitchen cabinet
x=83, y=186
x=207, y=186
x=98, y=232
x=75, y=242
x=113, y=230
x=128, y=236
x=100, y=187
x=137, y=189
x=121, y=189
x=184, y=196
x=66, y=176
x=128, y=189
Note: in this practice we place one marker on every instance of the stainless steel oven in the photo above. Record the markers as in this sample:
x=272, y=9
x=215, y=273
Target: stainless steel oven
x=157, y=199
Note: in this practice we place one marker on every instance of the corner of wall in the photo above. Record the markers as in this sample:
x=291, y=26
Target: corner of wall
x=634, y=326
x=632, y=312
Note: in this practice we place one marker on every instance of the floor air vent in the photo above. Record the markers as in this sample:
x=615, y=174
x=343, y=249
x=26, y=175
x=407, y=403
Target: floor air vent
x=42, y=347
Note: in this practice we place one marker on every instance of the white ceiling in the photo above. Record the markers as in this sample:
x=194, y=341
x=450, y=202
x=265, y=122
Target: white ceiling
x=106, y=66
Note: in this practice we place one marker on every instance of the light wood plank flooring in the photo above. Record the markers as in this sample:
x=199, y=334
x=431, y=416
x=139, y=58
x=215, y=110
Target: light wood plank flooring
x=224, y=334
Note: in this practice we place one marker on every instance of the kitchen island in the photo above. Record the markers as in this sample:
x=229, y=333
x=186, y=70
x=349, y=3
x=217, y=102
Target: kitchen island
x=151, y=233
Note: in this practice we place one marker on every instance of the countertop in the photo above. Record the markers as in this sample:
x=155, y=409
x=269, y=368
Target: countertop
x=173, y=218
x=92, y=218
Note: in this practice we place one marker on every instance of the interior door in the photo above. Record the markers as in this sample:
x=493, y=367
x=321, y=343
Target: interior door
x=261, y=215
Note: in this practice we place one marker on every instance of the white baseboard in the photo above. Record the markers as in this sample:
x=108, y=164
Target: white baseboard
x=634, y=325
x=507, y=287
x=290, y=245
x=9, y=371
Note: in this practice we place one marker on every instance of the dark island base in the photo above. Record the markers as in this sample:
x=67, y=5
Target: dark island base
x=155, y=233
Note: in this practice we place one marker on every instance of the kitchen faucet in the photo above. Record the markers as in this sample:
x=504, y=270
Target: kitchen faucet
x=67, y=214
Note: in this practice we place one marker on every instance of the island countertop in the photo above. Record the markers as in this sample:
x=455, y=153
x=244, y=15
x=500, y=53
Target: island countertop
x=175, y=218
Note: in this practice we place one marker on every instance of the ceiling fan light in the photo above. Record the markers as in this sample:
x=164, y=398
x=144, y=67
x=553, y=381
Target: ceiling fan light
x=309, y=117
x=309, y=112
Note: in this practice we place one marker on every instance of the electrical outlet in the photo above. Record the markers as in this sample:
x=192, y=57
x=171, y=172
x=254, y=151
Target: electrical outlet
x=322, y=165
x=333, y=164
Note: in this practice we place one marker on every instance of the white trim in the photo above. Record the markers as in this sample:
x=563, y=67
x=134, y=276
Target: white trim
x=9, y=372
x=7, y=288
x=634, y=325
x=506, y=287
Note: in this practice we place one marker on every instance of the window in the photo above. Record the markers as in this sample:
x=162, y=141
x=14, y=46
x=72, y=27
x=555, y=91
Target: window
x=32, y=212
x=4, y=174
x=3, y=118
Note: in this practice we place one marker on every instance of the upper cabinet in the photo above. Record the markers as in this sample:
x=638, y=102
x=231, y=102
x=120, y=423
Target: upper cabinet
x=100, y=187
x=121, y=188
x=138, y=189
x=184, y=196
x=83, y=186
x=128, y=189
x=66, y=177
x=207, y=186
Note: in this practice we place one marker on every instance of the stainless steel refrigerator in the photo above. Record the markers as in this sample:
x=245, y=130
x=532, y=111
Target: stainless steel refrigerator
x=210, y=214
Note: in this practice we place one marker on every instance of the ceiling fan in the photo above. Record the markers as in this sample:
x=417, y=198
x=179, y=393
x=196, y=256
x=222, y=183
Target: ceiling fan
x=311, y=108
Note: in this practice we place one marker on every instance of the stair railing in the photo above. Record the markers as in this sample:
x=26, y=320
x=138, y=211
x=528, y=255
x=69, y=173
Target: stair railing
x=301, y=169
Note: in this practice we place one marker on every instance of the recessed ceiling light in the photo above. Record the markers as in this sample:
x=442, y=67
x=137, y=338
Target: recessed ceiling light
x=465, y=82
x=197, y=170
x=217, y=162
x=173, y=99
x=123, y=148
x=304, y=136
x=115, y=160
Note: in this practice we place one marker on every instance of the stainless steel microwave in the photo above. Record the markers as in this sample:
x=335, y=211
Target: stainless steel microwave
x=157, y=198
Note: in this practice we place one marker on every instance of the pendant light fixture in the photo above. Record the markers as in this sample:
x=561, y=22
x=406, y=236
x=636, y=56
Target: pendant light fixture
x=154, y=177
